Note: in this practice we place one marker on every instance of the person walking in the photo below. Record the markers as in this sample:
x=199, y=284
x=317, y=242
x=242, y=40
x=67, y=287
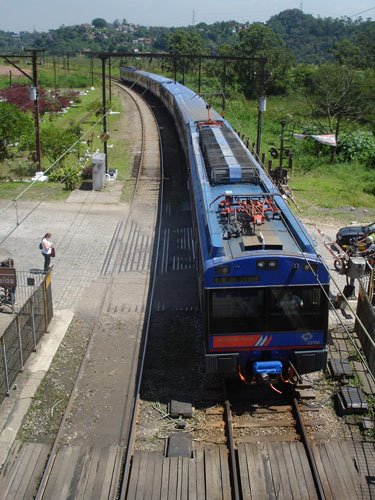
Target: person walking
x=47, y=247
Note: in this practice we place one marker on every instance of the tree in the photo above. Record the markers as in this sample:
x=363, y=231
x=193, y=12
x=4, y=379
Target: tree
x=359, y=52
x=54, y=141
x=14, y=124
x=335, y=93
x=99, y=22
x=185, y=42
x=260, y=41
x=346, y=52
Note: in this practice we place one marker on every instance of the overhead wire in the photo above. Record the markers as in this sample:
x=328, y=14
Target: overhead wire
x=364, y=361
x=13, y=202
x=362, y=12
x=254, y=155
x=351, y=338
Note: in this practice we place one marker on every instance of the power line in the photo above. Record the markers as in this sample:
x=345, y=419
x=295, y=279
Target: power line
x=14, y=201
x=362, y=12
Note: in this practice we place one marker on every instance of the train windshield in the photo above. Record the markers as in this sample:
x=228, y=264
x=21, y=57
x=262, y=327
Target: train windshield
x=240, y=310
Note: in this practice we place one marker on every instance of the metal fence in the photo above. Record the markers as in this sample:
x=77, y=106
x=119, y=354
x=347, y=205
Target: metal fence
x=22, y=324
x=368, y=282
x=366, y=313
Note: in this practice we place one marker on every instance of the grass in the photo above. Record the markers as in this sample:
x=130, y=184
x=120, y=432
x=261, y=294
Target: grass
x=336, y=186
x=37, y=192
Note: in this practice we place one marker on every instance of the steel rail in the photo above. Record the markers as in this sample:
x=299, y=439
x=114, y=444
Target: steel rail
x=305, y=441
x=143, y=140
x=230, y=443
x=131, y=438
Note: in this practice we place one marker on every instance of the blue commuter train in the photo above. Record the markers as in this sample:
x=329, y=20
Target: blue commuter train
x=263, y=288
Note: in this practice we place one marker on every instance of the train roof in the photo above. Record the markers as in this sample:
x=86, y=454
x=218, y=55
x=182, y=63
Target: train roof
x=240, y=212
x=190, y=104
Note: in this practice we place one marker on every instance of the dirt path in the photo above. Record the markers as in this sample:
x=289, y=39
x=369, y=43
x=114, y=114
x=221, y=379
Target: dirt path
x=5, y=70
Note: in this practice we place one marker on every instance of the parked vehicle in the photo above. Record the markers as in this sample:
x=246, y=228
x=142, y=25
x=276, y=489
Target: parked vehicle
x=346, y=234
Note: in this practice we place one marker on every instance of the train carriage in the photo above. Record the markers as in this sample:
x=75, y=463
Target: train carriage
x=263, y=288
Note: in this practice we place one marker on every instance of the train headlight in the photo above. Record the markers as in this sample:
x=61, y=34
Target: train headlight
x=267, y=264
x=222, y=270
x=310, y=267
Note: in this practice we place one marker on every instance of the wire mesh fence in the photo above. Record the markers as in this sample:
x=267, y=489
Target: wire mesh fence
x=22, y=321
x=12, y=298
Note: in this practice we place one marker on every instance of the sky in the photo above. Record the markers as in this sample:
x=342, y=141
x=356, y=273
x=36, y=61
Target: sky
x=42, y=15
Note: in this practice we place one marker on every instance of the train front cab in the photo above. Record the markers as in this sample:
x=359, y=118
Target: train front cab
x=250, y=329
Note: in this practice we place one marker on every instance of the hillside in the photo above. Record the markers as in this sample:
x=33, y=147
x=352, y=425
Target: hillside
x=310, y=39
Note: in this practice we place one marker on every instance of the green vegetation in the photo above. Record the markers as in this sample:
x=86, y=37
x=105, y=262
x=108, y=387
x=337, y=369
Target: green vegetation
x=309, y=39
x=371, y=415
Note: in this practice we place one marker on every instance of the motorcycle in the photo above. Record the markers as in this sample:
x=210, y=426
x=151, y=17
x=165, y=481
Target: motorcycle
x=341, y=263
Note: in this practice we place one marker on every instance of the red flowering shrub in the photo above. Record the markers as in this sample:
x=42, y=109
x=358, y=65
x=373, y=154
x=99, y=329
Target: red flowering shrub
x=48, y=101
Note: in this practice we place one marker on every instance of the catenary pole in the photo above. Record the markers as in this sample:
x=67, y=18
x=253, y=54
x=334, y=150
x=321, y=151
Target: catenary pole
x=104, y=113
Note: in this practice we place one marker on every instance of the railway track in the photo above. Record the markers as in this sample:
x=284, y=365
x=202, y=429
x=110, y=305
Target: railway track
x=127, y=267
x=285, y=424
x=266, y=420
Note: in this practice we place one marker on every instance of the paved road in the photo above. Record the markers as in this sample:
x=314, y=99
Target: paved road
x=82, y=228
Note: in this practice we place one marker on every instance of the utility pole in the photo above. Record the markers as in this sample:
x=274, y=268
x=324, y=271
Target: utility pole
x=224, y=88
x=110, y=79
x=261, y=105
x=54, y=75
x=199, y=74
x=174, y=70
x=282, y=123
x=35, y=97
x=182, y=57
x=104, y=114
x=92, y=72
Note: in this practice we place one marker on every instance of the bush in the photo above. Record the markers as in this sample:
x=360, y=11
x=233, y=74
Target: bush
x=358, y=145
x=69, y=175
x=22, y=169
x=55, y=142
x=370, y=189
